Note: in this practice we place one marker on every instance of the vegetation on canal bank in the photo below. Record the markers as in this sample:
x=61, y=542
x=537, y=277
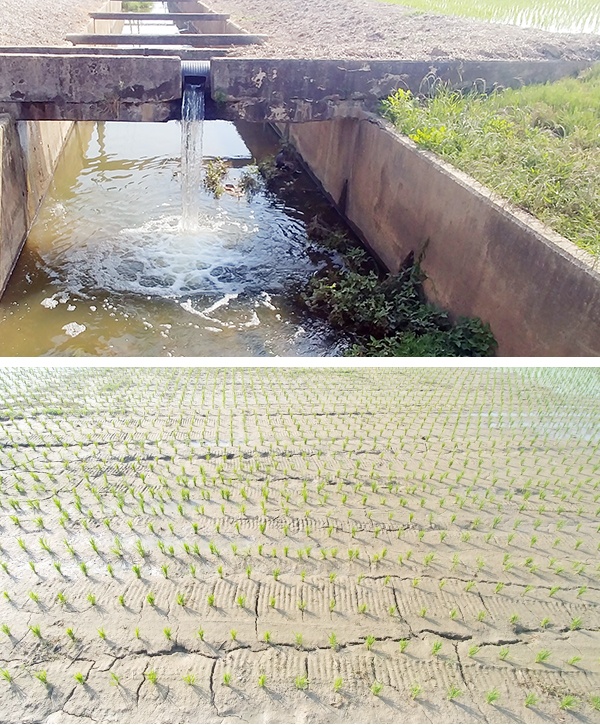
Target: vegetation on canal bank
x=538, y=146
x=388, y=315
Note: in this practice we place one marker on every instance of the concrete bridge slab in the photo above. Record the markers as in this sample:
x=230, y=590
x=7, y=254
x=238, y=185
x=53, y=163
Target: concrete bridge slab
x=317, y=90
x=90, y=88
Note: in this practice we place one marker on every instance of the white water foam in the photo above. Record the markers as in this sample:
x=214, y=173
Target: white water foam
x=157, y=259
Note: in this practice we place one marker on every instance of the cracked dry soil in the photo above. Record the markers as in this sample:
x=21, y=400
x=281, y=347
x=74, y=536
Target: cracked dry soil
x=272, y=545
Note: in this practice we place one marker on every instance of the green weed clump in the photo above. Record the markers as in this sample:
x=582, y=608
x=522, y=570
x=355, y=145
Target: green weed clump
x=388, y=315
x=136, y=7
x=537, y=146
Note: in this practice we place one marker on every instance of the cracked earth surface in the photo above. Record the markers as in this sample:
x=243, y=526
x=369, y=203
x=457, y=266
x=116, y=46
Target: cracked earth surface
x=204, y=545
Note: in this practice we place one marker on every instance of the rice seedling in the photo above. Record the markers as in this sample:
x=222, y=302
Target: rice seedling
x=568, y=702
x=453, y=693
x=492, y=696
x=416, y=691
x=376, y=688
x=189, y=679
x=301, y=682
x=531, y=699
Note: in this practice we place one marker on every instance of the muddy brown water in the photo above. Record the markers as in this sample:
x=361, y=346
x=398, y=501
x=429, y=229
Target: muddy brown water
x=107, y=269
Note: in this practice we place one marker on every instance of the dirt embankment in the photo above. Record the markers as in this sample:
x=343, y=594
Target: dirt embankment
x=43, y=22
x=372, y=29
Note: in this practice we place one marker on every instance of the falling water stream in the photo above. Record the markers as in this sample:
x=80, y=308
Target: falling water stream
x=192, y=132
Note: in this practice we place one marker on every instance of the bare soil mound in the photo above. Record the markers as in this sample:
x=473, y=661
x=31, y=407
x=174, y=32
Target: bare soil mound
x=371, y=29
x=42, y=22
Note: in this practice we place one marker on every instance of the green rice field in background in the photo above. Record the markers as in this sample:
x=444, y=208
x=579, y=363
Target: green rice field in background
x=568, y=16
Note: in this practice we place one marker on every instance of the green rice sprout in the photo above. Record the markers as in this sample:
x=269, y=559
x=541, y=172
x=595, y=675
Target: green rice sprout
x=453, y=693
x=568, y=702
x=492, y=696
x=301, y=682
x=416, y=691
x=189, y=679
x=531, y=699
x=376, y=688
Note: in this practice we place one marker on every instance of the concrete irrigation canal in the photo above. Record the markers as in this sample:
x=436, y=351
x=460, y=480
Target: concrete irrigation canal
x=538, y=292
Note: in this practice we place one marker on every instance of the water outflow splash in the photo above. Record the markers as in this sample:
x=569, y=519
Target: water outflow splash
x=192, y=128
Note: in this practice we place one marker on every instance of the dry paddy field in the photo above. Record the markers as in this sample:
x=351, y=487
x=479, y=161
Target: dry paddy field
x=351, y=545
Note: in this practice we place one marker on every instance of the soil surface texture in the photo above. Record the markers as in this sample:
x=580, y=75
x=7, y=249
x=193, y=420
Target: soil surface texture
x=247, y=545
x=43, y=22
x=372, y=29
